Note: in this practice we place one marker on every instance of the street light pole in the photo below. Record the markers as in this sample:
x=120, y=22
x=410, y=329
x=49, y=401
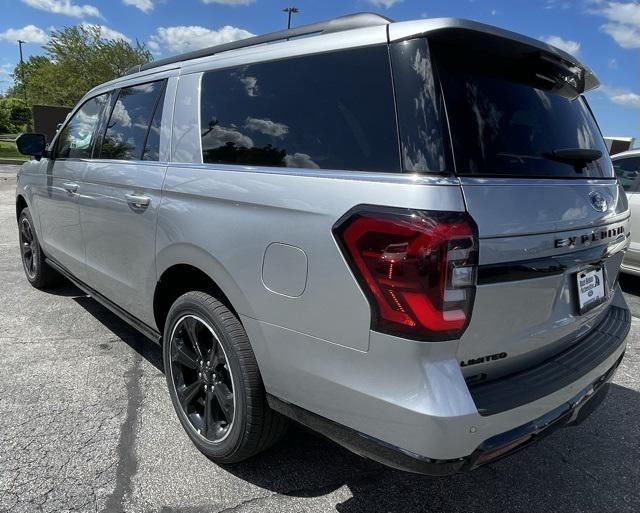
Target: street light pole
x=290, y=11
x=20, y=43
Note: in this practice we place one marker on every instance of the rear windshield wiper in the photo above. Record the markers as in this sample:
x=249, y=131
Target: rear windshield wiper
x=576, y=156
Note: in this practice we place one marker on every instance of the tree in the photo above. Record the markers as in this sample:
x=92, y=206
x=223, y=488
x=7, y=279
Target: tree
x=76, y=59
x=15, y=115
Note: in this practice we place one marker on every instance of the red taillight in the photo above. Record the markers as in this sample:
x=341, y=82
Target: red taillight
x=418, y=268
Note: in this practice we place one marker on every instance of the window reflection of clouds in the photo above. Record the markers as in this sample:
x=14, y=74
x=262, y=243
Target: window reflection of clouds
x=300, y=160
x=219, y=136
x=544, y=98
x=76, y=137
x=120, y=115
x=267, y=127
x=250, y=85
x=256, y=115
x=486, y=114
x=419, y=108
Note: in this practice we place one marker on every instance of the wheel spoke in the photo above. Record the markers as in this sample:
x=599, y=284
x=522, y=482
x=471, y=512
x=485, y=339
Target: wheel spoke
x=183, y=355
x=209, y=421
x=225, y=400
x=216, y=357
x=190, y=325
x=188, y=393
x=26, y=233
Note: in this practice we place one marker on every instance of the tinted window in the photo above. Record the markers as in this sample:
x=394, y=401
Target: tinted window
x=628, y=172
x=152, y=147
x=129, y=122
x=421, y=116
x=77, y=137
x=507, y=118
x=329, y=111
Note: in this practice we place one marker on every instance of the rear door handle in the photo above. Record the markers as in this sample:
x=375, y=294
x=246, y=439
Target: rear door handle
x=137, y=200
x=70, y=187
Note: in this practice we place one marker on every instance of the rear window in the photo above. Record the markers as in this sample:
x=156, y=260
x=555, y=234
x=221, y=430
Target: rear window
x=328, y=111
x=505, y=121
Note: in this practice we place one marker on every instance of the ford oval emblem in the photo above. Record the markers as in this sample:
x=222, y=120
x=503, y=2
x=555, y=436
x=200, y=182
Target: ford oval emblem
x=598, y=201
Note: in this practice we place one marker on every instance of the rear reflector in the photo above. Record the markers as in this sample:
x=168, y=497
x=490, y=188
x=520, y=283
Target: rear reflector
x=417, y=268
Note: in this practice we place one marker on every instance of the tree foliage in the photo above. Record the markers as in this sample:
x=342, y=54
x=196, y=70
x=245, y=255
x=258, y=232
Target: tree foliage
x=15, y=115
x=76, y=59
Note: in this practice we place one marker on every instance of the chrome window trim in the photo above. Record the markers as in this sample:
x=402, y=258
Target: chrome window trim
x=337, y=174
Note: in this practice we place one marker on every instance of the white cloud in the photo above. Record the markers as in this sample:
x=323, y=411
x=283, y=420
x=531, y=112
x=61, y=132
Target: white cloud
x=29, y=33
x=620, y=96
x=623, y=21
x=228, y=2
x=185, y=38
x=627, y=36
x=65, y=7
x=613, y=64
x=572, y=47
x=6, y=69
x=557, y=4
x=384, y=3
x=494, y=12
x=107, y=33
x=145, y=6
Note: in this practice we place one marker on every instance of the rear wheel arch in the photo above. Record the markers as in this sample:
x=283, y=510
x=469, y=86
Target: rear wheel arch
x=176, y=281
x=21, y=204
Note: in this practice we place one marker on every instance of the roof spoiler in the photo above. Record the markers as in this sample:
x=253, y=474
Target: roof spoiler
x=467, y=30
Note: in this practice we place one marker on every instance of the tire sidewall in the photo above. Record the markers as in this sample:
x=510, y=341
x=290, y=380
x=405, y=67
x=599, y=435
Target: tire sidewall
x=35, y=248
x=189, y=305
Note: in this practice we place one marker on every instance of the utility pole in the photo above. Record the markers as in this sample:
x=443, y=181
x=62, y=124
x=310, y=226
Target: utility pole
x=290, y=11
x=20, y=43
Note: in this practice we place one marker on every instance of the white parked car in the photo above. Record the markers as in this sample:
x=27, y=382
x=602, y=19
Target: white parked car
x=627, y=167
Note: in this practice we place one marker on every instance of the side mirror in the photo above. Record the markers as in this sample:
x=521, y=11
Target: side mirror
x=32, y=144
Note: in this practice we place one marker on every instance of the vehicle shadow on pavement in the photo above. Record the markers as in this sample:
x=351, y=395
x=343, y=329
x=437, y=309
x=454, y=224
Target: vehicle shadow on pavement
x=134, y=339
x=592, y=467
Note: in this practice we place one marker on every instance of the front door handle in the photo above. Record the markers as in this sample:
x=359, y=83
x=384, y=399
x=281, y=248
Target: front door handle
x=70, y=187
x=138, y=201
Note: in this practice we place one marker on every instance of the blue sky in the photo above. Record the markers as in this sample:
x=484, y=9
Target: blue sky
x=604, y=34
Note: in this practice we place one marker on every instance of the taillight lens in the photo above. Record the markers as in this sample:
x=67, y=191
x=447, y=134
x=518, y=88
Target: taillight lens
x=418, y=268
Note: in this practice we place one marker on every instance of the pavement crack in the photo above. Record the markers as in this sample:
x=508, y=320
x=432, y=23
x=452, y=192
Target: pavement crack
x=127, y=461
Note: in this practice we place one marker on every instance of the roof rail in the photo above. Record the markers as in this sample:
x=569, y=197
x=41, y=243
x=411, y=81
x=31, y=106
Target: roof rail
x=348, y=22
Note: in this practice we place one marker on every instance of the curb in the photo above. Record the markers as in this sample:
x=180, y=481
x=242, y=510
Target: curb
x=12, y=161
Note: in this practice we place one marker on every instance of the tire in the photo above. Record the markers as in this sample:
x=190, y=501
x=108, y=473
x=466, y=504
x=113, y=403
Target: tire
x=222, y=341
x=39, y=274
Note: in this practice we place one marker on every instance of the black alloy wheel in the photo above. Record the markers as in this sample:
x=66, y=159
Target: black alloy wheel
x=202, y=378
x=26, y=248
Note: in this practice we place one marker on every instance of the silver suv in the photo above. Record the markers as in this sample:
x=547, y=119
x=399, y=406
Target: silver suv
x=406, y=236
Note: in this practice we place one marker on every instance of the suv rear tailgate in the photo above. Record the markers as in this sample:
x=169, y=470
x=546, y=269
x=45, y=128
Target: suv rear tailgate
x=526, y=305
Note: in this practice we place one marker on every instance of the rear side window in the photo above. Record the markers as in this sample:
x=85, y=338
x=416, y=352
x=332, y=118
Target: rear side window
x=327, y=111
x=628, y=172
x=130, y=126
x=421, y=117
x=507, y=118
x=78, y=135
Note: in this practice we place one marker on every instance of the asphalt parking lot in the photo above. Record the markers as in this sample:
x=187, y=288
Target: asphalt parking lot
x=86, y=425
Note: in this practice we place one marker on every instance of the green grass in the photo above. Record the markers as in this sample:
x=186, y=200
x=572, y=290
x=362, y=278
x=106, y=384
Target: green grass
x=8, y=150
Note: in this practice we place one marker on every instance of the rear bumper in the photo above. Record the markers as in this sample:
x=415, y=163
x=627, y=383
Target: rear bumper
x=573, y=412
x=440, y=434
